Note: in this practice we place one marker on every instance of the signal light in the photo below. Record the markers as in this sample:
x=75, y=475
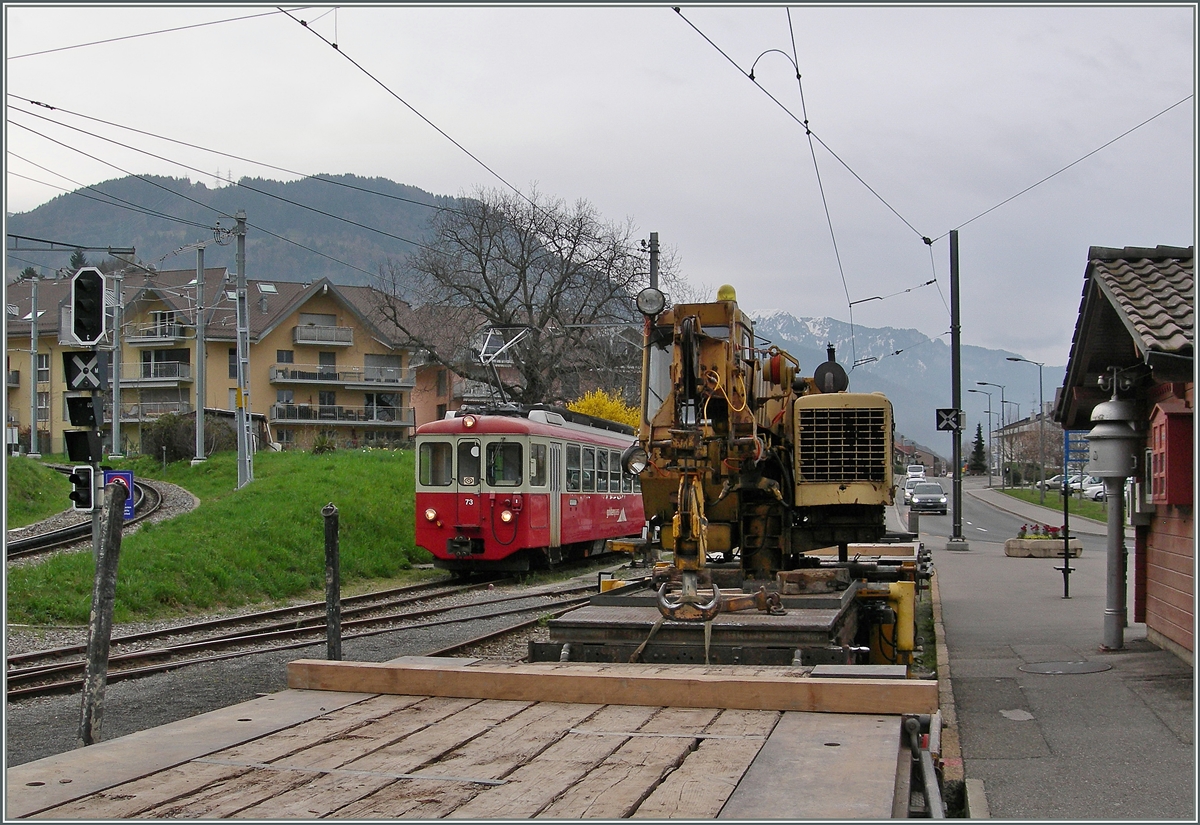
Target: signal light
x=88, y=321
x=83, y=480
x=506, y=516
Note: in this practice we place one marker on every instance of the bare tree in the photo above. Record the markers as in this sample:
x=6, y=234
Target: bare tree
x=556, y=281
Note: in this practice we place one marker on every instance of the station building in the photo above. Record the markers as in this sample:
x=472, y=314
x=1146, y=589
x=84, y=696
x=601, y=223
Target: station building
x=322, y=361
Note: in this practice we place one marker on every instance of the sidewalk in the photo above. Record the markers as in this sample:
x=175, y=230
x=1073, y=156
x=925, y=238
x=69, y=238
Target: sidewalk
x=1113, y=741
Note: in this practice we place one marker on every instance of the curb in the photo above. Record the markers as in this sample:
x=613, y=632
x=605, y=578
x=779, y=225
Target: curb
x=1100, y=526
x=951, y=756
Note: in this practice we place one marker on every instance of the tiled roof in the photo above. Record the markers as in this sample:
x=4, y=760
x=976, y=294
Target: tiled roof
x=1154, y=289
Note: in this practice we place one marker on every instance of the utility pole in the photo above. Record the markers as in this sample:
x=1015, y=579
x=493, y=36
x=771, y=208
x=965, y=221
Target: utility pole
x=201, y=353
x=654, y=260
x=119, y=277
x=244, y=418
x=956, y=541
x=34, y=447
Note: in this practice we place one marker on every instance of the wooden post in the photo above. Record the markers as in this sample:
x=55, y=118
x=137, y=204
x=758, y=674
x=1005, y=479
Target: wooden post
x=104, y=590
x=333, y=599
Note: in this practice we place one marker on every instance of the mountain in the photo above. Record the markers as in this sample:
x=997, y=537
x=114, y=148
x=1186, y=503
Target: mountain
x=913, y=370
x=158, y=215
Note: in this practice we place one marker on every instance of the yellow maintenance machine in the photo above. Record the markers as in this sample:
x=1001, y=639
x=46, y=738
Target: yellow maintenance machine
x=762, y=483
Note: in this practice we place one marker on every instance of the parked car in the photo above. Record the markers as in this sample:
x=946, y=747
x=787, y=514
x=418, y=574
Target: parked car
x=1054, y=483
x=908, y=487
x=928, y=497
x=1095, y=492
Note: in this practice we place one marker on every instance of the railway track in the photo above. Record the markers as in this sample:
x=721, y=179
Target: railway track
x=147, y=499
x=61, y=670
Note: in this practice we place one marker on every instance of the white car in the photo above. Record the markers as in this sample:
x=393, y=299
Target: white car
x=909, y=485
x=1095, y=492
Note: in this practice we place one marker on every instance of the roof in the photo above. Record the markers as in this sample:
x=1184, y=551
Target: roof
x=1137, y=314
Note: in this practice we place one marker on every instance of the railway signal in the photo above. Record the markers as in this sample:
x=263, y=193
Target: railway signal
x=83, y=480
x=88, y=321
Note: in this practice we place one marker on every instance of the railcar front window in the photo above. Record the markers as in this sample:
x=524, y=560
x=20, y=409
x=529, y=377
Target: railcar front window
x=468, y=463
x=574, y=481
x=503, y=464
x=436, y=462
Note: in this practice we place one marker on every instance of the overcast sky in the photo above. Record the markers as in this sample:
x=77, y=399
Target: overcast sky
x=943, y=112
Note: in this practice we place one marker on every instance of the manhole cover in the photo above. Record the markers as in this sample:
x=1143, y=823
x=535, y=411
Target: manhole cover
x=1059, y=668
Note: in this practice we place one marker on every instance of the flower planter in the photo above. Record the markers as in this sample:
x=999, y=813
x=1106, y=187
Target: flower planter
x=1041, y=548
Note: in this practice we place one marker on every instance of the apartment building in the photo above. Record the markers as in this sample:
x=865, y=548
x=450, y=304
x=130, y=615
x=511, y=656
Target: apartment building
x=321, y=361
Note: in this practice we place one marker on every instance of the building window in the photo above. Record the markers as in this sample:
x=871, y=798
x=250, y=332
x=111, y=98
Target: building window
x=441, y=384
x=286, y=437
x=233, y=362
x=327, y=399
x=43, y=368
x=285, y=356
x=441, y=411
x=284, y=396
x=43, y=406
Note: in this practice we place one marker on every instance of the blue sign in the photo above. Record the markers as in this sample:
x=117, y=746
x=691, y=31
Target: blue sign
x=1075, y=448
x=122, y=477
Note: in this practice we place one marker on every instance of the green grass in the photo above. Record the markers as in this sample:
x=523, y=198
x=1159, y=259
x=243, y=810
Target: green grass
x=263, y=543
x=33, y=491
x=1076, y=507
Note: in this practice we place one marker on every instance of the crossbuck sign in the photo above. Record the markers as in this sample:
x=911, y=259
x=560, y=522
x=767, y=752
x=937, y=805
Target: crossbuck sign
x=85, y=370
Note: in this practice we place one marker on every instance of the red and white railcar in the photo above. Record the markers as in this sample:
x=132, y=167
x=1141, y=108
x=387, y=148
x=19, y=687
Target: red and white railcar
x=509, y=488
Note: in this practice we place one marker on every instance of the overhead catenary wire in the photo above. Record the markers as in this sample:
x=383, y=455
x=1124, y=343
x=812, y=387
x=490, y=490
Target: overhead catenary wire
x=411, y=108
x=240, y=184
x=143, y=34
x=261, y=163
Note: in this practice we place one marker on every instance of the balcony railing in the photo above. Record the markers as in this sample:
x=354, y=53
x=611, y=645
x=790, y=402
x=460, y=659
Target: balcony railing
x=312, y=334
x=153, y=409
x=14, y=378
x=318, y=374
x=338, y=414
x=468, y=390
x=157, y=371
x=154, y=333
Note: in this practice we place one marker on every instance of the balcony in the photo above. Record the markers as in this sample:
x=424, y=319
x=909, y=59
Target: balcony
x=336, y=414
x=154, y=335
x=148, y=411
x=168, y=374
x=14, y=378
x=312, y=334
x=470, y=391
x=362, y=378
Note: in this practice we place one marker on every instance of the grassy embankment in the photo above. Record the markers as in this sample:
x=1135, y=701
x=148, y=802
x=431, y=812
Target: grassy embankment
x=33, y=490
x=264, y=543
x=1088, y=509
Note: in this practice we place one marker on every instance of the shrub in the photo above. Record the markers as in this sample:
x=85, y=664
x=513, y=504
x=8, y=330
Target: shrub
x=608, y=405
x=178, y=434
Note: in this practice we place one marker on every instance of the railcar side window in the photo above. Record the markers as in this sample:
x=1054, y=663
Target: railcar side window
x=503, y=464
x=537, y=465
x=574, y=482
x=436, y=464
x=602, y=471
x=468, y=463
x=614, y=471
x=589, y=469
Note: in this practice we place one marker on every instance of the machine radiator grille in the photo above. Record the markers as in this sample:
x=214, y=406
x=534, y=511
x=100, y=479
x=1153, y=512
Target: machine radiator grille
x=842, y=445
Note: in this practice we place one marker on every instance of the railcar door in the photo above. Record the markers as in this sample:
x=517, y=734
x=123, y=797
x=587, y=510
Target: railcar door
x=469, y=466
x=556, y=486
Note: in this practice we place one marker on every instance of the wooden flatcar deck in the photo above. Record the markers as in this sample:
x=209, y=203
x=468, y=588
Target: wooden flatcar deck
x=600, y=747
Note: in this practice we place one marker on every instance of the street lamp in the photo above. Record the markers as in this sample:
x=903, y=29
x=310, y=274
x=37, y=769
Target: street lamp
x=1041, y=427
x=1001, y=386
x=989, y=415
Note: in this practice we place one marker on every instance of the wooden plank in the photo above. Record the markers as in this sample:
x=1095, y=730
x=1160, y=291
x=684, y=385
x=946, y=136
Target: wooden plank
x=324, y=793
x=134, y=798
x=821, y=766
x=260, y=780
x=615, y=787
x=45, y=783
x=702, y=784
x=622, y=684
x=536, y=784
x=492, y=756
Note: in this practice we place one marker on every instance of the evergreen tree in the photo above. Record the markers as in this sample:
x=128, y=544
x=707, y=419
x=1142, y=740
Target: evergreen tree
x=28, y=273
x=978, y=460
x=78, y=260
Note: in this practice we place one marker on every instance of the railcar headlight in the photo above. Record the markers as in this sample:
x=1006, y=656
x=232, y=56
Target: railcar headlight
x=468, y=421
x=634, y=459
x=430, y=514
x=651, y=301
x=506, y=515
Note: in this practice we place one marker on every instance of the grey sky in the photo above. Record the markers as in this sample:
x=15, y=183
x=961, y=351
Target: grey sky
x=944, y=112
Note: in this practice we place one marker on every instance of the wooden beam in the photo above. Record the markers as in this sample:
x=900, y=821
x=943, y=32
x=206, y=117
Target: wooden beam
x=679, y=686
